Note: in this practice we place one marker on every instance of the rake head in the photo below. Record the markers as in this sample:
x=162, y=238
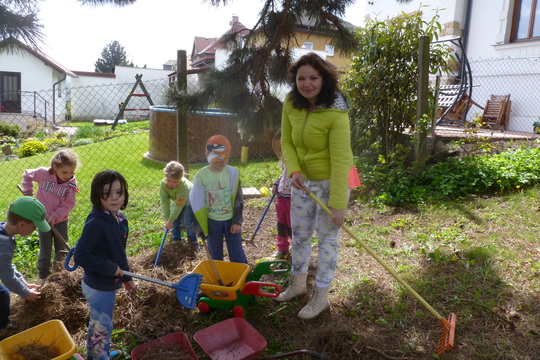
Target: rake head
x=446, y=341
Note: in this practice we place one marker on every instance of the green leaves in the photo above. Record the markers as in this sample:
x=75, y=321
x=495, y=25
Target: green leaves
x=456, y=178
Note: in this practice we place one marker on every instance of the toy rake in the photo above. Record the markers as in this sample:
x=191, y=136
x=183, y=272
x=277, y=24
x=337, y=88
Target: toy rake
x=446, y=341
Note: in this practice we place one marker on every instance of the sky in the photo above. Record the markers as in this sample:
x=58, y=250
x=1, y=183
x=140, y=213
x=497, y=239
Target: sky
x=151, y=31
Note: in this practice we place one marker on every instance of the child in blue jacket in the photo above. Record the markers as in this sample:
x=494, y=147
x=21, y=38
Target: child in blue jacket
x=101, y=252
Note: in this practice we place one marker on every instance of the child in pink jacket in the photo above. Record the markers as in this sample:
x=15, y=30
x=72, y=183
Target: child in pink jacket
x=57, y=187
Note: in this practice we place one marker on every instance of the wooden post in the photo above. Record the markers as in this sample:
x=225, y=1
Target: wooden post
x=422, y=104
x=181, y=116
x=435, y=111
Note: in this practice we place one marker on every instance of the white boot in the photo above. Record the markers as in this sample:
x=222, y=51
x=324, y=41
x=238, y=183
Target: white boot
x=318, y=303
x=296, y=287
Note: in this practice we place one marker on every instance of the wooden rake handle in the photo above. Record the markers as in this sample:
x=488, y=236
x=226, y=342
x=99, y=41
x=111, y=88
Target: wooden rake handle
x=378, y=258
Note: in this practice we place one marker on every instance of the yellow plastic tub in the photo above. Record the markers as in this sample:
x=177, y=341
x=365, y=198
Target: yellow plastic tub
x=50, y=333
x=232, y=274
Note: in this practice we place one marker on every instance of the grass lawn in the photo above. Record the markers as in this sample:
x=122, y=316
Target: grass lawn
x=478, y=258
x=125, y=154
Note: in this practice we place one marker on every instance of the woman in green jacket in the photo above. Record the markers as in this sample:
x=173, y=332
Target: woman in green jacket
x=317, y=152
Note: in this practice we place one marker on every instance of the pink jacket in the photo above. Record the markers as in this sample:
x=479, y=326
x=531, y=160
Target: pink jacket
x=58, y=198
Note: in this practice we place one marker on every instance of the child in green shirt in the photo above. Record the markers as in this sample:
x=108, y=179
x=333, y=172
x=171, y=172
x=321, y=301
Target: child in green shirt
x=174, y=195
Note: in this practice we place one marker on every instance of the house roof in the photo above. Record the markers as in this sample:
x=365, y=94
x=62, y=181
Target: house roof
x=200, y=43
x=12, y=42
x=208, y=53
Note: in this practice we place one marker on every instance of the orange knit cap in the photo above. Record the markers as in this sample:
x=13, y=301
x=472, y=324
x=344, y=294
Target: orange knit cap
x=218, y=148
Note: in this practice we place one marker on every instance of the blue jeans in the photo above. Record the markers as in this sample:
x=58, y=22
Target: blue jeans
x=4, y=307
x=98, y=341
x=216, y=231
x=184, y=219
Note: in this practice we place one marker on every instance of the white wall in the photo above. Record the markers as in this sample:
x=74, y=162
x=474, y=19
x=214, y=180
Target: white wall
x=98, y=97
x=37, y=81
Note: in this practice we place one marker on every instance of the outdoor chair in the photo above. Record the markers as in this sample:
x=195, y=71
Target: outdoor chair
x=497, y=111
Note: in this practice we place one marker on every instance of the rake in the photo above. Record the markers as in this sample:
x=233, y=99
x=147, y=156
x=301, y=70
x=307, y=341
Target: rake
x=446, y=341
x=250, y=240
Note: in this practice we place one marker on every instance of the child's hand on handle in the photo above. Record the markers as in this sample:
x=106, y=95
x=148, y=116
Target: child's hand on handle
x=236, y=228
x=130, y=285
x=297, y=180
x=119, y=272
x=274, y=189
x=168, y=224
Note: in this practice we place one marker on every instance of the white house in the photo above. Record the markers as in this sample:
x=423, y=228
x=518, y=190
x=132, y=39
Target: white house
x=501, y=40
x=35, y=87
x=31, y=83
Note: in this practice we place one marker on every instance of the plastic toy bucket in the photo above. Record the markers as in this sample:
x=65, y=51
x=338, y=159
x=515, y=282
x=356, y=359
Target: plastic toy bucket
x=232, y=274
x=52, y=334
x=232, y=339
x=177, y=341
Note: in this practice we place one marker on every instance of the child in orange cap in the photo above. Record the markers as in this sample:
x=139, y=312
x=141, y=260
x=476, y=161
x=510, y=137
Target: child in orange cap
x=217, y=202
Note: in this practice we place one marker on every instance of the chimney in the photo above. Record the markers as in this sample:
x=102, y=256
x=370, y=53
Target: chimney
x=234, y=20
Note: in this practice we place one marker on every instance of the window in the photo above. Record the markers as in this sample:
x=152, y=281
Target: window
x=329, y=50
x=308, y=45
x=526, y=24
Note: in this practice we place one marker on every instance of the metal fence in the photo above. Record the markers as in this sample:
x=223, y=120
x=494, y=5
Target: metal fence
x=516, y=78
x=99, y=106
x=46, y=116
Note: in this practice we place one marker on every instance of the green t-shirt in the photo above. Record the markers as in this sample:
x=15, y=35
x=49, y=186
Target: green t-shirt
x=218, y=197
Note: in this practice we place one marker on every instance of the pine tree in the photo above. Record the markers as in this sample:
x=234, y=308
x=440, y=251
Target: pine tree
x=258, y=61
x=113, y=54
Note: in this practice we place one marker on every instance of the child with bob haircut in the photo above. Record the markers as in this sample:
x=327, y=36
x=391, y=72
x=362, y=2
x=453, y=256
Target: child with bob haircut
x=57, y=187
x=24, y=215
x=101, y=252
x=217, y=202
x=175, y=188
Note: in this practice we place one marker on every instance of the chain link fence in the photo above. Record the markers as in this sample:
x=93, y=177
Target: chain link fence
x=144, y=133
x=46, y=116
x=516, y=80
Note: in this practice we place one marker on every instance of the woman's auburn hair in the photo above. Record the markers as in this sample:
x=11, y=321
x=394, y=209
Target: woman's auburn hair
x=329, y=81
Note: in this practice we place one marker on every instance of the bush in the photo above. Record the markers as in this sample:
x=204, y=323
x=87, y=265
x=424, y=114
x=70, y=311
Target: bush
x=9, y=129
x=54, y=143
x=455, y=178
x=7, y=140
x=32, y=147
x=80, y=142
x=89, y=132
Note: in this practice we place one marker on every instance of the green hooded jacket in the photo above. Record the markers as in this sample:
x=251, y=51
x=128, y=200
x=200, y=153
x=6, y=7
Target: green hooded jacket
x=318, y=145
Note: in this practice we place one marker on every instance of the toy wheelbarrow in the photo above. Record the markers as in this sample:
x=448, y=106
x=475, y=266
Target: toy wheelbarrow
x=186, y=289
x=236, y=339
x=242, y=284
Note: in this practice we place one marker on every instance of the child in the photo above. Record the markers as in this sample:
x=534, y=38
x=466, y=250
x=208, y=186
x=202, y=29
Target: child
x=282, y=187
x=176, y=187
x=57, y=187
x=23, y=216
x=101, y=252
x=217, y=202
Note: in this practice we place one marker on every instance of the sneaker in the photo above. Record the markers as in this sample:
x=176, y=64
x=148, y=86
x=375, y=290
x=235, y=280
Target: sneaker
x=282, y=255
